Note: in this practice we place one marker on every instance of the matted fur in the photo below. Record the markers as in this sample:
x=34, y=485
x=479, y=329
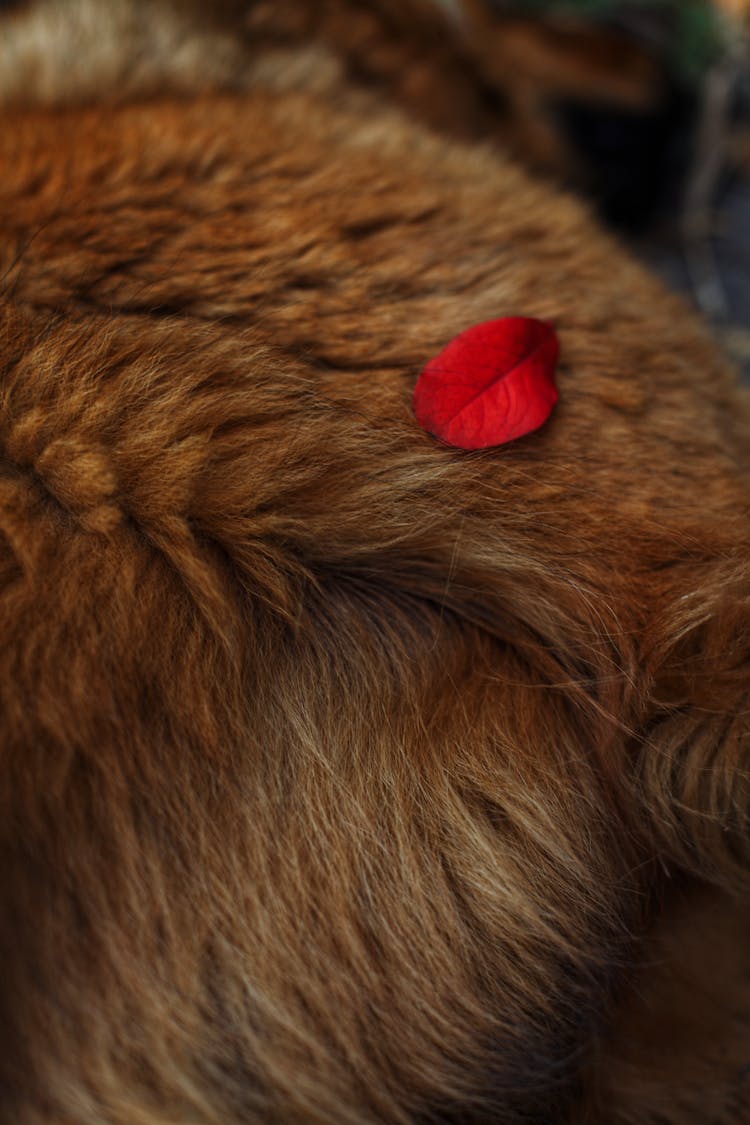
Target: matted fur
x=342, y=772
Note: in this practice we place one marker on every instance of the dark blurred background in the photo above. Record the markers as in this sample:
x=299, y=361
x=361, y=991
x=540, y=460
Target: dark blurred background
x=652, y=101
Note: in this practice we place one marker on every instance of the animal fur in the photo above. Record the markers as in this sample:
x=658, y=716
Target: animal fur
x=559, y=96
x=346, y=777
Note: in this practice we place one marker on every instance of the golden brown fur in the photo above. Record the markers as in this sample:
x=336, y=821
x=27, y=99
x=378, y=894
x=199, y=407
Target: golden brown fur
x=342, y=773
x=459, y=65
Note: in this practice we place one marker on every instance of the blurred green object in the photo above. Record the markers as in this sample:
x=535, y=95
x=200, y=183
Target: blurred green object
x=690, y=34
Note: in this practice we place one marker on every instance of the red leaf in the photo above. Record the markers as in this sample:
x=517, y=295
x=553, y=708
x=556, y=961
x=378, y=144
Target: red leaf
x=492, y=384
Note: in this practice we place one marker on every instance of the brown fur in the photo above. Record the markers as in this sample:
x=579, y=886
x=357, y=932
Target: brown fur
x=459, y=66
x=677, y=1049
x=342, y=772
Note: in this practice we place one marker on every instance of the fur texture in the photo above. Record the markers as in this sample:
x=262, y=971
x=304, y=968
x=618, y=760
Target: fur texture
x=342, y=773
x=577, y=101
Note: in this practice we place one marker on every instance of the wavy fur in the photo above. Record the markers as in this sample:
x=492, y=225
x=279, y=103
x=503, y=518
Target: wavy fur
x=342, y=772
